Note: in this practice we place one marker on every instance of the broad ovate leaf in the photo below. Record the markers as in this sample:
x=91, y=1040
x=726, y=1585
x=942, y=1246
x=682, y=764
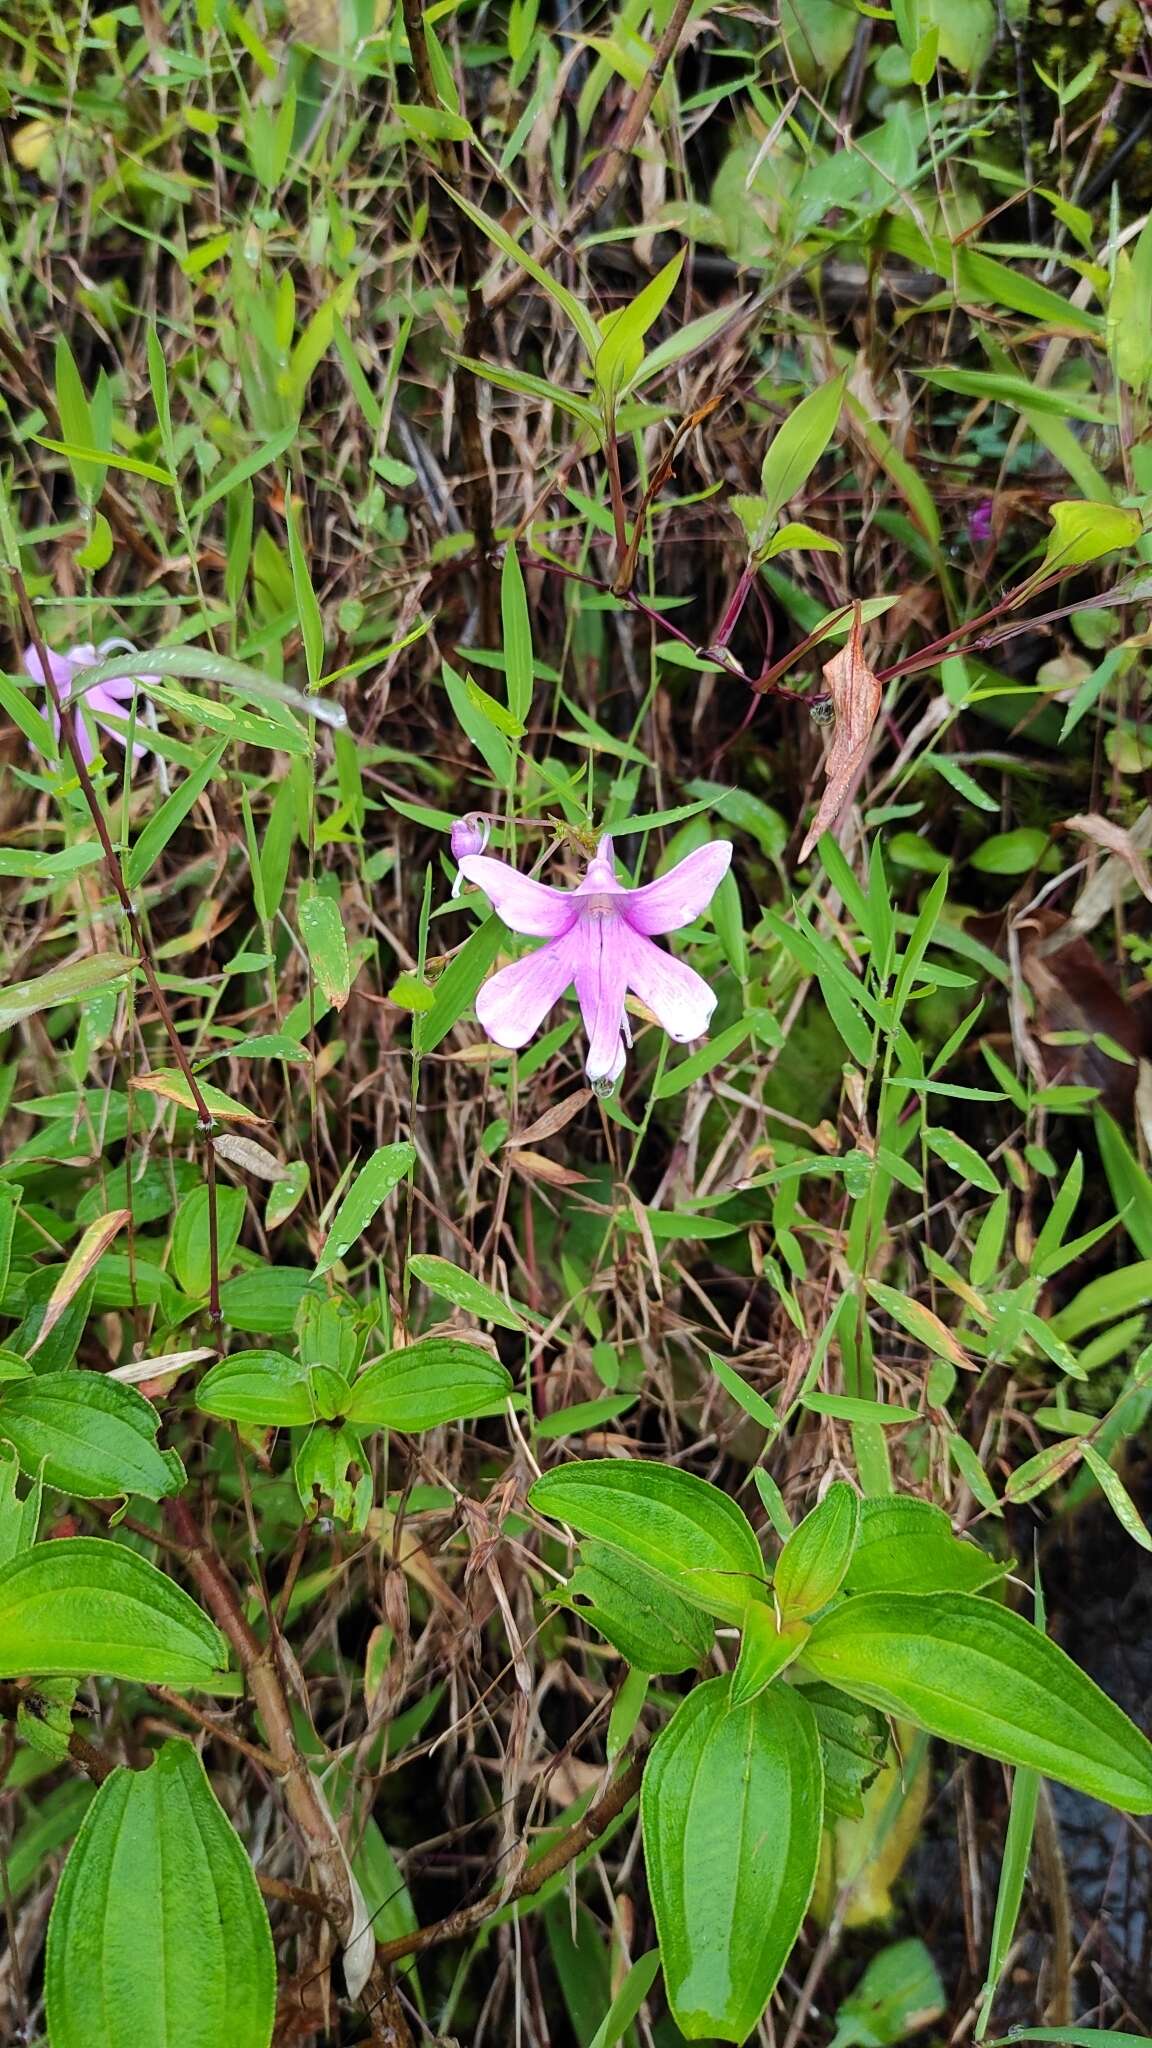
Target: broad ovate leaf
x=907, y=1546
x=656, y=1629
x=438, y=1379
x=261, y=1389
x=84, y=1606
x=732, y=1805
x=89, y=1436
x=979, y=1675
x=158, y=1935
x=683, y=1530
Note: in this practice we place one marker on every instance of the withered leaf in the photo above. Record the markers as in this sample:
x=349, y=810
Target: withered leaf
x=856, y=695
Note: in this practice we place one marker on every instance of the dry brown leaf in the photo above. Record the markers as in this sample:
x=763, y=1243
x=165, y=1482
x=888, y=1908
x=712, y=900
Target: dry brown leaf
x=856, y=695
x=1102, y=832
x=553, y=1120
x=537, y=1166
x=92, y=1246
x=249, y=1156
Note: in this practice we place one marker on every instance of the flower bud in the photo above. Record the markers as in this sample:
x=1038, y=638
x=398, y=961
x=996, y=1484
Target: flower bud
x=469, y=835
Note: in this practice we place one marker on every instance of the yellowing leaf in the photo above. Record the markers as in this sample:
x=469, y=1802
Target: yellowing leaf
x=174, y=1088
x=92, y=1246
x=1082, y=531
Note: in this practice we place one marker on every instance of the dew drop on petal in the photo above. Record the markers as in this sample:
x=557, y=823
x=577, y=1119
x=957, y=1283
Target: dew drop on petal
x=603, y=1086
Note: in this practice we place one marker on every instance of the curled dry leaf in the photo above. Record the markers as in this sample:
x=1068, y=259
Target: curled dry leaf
x=88, y=1252
x=250, y=1157
x=856, y=697
x=1127, y=850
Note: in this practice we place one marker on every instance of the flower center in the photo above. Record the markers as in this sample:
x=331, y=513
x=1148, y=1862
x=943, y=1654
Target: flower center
x=599, y=906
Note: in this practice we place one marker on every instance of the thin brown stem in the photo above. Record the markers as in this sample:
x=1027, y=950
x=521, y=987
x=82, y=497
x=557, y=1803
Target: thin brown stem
x=612, y=164
x=581, y=1836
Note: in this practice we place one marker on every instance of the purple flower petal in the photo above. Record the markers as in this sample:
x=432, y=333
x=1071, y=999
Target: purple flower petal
x=601, y=985
x=60, y=666
x=677, y=996
x=513, y=1004
x=678, y=897
x=526, y=906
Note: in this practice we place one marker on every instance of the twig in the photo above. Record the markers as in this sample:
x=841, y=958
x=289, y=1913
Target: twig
x=581, y=1836
x=612, y=164
x=65, y=712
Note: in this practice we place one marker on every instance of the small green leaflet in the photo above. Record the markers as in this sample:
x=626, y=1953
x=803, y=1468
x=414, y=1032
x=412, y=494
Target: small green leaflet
x=517, y=631
x=370, y=1189
x=71, y=984
x=464, y=1292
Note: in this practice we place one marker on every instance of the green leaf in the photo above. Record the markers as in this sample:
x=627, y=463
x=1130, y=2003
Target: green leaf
x=265, y=1300
x=368, y=1192
x=191, y=1240
x=767, y=1647
x=627, y=2002
x=517, y=632
x=33, y=864
x=570, y=306
x=812, y=1565
x=853, y=1744
x=468, y=705
x=731, y=1807
x=71, y=984
x=437, y=1379
x=458, y=1287
x=797, y=535
x=899, y=1994
x=979, y=1675
x=18, y=1518
x=851, y=1408
x=433, y=124
x=692, y=1536
x=142, y=857
x=158, y=1935
x=1082, y=531
x=907, y=1546
x=249, y=465
x=1130, y=1185
x=655, y=1629
x=96, y=552
x=75, y=416
x=260, y=1389
x=307, y=608
x=326, y=942
x=798, y=445
x=1010, y=853
x=82, y=1606
x=920, y=1323
x=962, y=1158
x=621, y=353
x=457, y=986
x=1112, y=1487
x=89, y=1436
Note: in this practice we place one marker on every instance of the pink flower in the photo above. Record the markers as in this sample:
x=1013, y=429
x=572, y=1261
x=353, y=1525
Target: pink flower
x=980, y=523
x=111, y=699
x=600, y=939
